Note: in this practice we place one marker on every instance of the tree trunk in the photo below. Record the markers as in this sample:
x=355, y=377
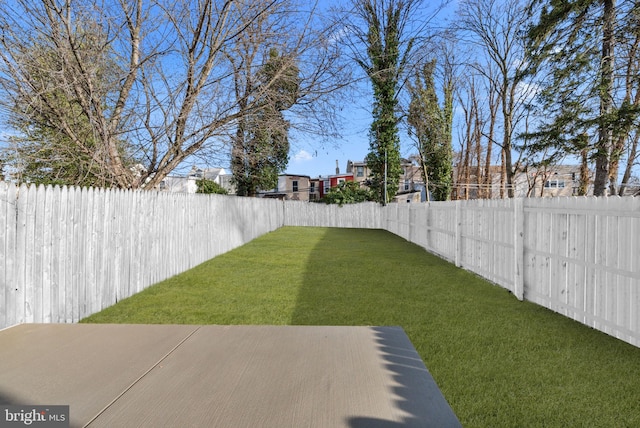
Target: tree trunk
x=605, y=134
x=633, y=153
x=583, y=186
x=488, y=176
x=503, y=175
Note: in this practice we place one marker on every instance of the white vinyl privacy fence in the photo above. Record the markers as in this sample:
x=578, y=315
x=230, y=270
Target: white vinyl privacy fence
x=66, y=253
x=576, y=256
x=364, y=216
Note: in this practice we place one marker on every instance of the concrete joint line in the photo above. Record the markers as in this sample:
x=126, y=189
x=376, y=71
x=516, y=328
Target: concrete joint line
x=153, y=366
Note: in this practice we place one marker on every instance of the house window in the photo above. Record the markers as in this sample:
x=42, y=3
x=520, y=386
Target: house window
x=406, y=184
x=312, y=188
x=359, y=171
x=554, y=184
x=295, y=185
x=341, y=180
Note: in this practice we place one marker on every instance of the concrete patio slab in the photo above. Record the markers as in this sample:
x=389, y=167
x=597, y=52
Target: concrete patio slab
x=222, y=376
x=82, y=365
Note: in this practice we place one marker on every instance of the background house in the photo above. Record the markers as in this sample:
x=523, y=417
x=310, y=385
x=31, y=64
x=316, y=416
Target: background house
x=410, y=185
x=187, y=184
x=334, y=181
x=360, y=171
x=316, y=189
x=558, y=180
x=320, y=186
x=551, y=181
x=290, y=187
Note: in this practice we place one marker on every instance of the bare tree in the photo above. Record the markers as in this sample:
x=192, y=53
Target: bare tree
x=626, y=135
x=173, y=94
x=493, y=28
x=468, y=171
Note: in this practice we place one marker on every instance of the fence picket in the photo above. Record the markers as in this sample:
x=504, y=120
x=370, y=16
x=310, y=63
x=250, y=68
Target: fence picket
x=7, y=252
x=44, y=270
x=58, y=225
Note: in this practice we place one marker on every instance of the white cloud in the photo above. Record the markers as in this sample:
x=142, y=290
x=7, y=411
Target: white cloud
x=302, y=156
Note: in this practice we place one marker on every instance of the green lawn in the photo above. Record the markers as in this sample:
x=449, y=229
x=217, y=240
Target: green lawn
x=499, y=362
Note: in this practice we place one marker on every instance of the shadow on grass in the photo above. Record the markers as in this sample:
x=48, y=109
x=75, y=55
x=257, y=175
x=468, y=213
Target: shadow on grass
x=498, y=361
x=349, y=281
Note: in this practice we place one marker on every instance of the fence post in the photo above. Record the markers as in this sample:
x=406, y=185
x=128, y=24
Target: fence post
x=518, y=246
x=458, y=236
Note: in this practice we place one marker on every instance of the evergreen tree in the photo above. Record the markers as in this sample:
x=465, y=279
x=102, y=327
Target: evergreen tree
x=348, y=192
x=577, y=40
x=261, y=145
x=432, y=126
x=207, y=186
x=384, y=65
x=43, y=154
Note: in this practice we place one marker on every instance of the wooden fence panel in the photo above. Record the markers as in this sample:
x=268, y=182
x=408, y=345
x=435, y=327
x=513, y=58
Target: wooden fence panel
x=419, y=224
x=66, y=253
x=576, y=256
x=583, y=252
x=21, y=271
x=486, y=239
x=429, y=225
x=66, y=258
x=365, y=215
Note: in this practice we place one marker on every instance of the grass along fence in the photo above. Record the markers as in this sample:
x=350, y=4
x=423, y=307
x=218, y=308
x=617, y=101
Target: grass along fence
x=66, y=253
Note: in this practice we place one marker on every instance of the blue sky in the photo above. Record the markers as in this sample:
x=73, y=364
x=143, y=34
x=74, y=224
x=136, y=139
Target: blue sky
x=313, y=158
x=308, y=157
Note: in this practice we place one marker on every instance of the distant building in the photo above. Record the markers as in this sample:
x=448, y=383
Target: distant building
x=316, y=189
x=290, y=187
x=557, y=180
x=187, y=184
x=410, y=185
x=552, y=181
x=334, y=181
x=360, y=171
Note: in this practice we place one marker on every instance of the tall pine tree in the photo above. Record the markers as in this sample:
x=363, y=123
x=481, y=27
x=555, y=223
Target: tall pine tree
x=574, y=44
